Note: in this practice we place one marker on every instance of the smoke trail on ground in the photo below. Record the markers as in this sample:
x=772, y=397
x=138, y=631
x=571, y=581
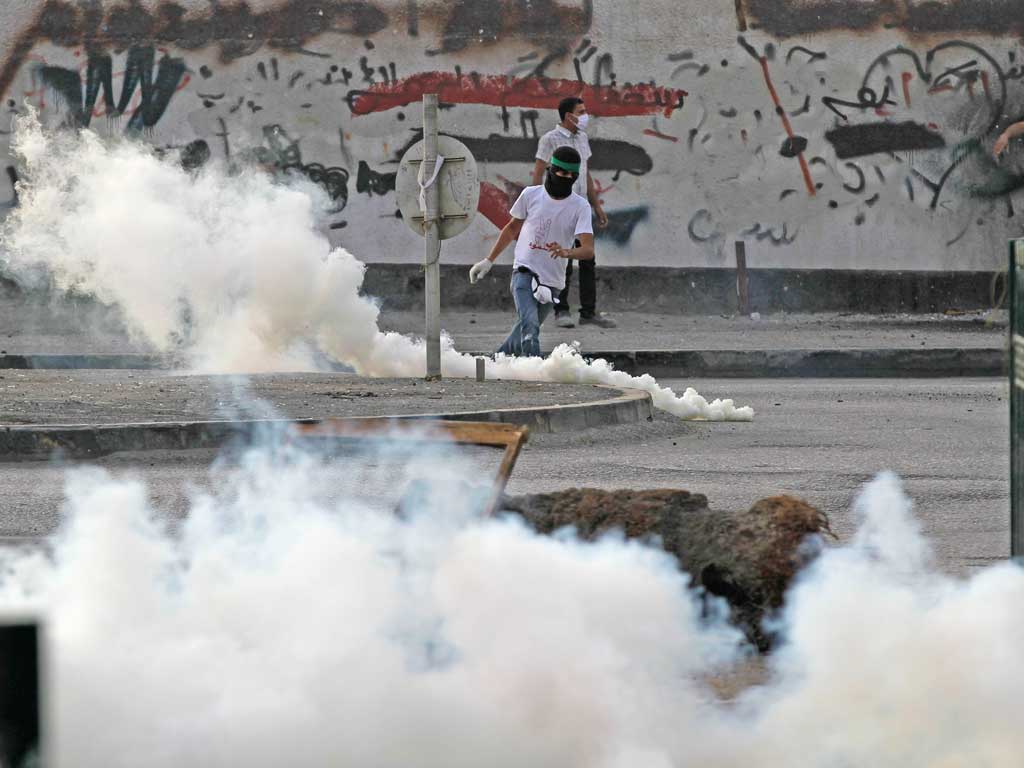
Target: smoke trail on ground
x=230, y=269
x=280, y=627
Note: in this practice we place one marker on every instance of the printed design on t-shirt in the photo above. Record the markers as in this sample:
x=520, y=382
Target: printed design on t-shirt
x=540, y=235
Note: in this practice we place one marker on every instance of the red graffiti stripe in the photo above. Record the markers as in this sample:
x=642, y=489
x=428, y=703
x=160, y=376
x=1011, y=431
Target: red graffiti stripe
x=502, y=91
x=494, y=204
x=804, y=168
x=660, y=135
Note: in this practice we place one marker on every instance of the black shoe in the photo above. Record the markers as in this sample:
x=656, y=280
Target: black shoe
x=601, y=321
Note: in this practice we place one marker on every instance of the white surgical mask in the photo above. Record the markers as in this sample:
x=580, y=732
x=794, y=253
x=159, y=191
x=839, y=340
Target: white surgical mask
x=581, y=121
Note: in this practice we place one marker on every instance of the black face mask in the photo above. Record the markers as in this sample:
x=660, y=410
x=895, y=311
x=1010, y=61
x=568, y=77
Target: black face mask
x=558, y=186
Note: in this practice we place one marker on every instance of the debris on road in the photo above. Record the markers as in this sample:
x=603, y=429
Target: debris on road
x=748, y=558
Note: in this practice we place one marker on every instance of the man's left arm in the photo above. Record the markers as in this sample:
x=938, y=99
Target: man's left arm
x=582, y=252
x=595, y=202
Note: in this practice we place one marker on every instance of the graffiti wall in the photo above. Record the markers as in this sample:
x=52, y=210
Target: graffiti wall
x=832, y=134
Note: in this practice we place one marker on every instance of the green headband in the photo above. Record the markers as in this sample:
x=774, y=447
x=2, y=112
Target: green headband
x=573, y=167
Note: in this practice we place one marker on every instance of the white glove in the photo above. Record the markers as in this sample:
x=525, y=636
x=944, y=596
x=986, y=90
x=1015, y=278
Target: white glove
x=542, y=294
x=480, y=269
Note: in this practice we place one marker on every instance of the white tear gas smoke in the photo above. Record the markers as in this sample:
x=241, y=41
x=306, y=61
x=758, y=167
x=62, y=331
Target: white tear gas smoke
x=282, y=628
x=231, y=269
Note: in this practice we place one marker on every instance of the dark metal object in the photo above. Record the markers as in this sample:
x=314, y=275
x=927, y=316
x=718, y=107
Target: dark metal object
x=742, y=287
x=1015, y=278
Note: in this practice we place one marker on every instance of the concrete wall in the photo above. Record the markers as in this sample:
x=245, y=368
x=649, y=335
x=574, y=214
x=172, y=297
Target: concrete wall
x=876, y=157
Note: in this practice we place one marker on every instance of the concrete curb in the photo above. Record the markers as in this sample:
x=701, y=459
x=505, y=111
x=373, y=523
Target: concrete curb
x=129, y=361
x=707, y=290
x=811, y=363
x=79, y=441
x=67, y=362
x=736, y=364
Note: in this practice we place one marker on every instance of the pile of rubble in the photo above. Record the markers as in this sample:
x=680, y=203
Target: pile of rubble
x=748, y=558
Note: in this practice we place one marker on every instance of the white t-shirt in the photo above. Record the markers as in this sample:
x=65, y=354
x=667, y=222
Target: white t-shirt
x=561, y=137
x=547, y=220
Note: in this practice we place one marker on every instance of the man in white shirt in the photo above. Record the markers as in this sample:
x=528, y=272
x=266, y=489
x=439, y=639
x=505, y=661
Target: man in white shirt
x=570, y=132
x=549, y=222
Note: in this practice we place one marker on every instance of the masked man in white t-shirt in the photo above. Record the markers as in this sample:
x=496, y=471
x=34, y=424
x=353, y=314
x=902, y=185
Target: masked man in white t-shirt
x=549, y=223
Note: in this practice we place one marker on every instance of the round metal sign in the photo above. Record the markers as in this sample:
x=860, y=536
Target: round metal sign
x=457, y=183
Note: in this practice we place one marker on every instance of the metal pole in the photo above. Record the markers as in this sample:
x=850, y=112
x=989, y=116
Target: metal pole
x=432, y=241
x=742, y=289
x=1013, y=276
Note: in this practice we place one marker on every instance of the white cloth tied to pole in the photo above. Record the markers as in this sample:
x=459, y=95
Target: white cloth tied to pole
x=423, y=187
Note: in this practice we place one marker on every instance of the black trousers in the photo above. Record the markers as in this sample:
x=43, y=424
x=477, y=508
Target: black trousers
x=588, y=288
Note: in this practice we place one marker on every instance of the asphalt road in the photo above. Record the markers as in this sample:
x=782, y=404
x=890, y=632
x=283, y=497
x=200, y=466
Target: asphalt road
x=818, y=439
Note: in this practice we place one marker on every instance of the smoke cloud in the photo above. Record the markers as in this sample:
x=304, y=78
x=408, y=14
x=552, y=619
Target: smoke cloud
x=230, y=270
x=281, y=626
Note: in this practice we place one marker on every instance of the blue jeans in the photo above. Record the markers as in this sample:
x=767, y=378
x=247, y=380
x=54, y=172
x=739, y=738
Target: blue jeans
x=524, y=340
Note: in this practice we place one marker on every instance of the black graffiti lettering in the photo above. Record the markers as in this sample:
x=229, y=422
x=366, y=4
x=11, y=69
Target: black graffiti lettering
x=702, y=69
x=579, y=69
x=851, y=141
x=748, y=48
x=12, y=175
x=283, y=153
x=702, y=221
x=967, y=72
x=959, y=236
x=857, y=188
x=997, y=91
x=529, y=116
x=368, y=73
x=783, y=238
x=621, y=224
x=223, y=136
x=333, y=180
x=866, y=99
x=812, y=55
x=804, y=109
x=604, y=66
x=194, y=155
x=286, y=152
x=703, y=216
x=793, y=146
x=910, y=188
x=412, y=18
x=372, y=182
x=541, y=69
x=156, y=91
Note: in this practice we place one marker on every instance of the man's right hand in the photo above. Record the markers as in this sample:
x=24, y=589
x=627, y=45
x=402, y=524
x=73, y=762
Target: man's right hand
x=480, y=269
